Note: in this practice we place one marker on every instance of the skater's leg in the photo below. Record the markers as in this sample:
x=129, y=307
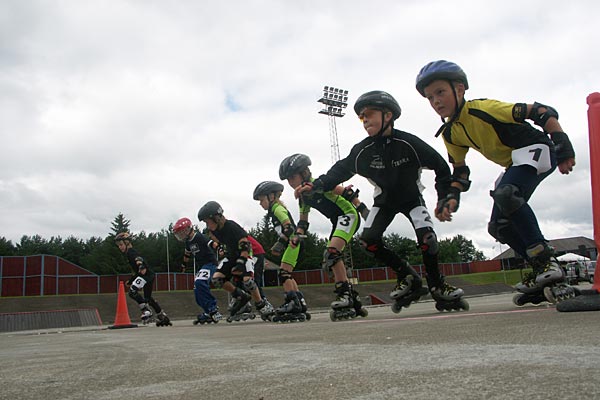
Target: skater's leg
x=203, y=295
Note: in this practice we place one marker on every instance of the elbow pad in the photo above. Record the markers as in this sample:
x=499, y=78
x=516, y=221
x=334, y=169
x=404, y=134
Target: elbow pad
x=540, y=119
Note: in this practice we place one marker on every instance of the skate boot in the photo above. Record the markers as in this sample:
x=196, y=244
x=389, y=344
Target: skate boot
x=448, y=298
x=163, y=319
x=265, y=309
x=407, y=290
x=304, y=305
x=357, y=303
x=290, y=311
x=546, y=282
x=147, y=316
x=343, y=306
x=215, y=316
x=240, y=309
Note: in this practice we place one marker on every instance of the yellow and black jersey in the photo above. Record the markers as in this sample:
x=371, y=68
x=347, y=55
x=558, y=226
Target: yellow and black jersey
x=492, y=128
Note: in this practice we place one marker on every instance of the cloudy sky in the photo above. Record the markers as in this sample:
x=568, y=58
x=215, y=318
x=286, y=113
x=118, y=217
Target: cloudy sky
x=152, y=108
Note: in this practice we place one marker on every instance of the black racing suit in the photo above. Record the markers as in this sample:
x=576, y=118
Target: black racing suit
x=393, y=165
x=145, y=283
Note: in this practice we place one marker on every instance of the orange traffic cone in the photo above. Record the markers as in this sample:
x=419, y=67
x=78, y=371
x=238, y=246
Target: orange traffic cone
x=122, y=317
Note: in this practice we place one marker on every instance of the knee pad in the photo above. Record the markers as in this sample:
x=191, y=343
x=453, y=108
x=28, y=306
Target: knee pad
x=428, y=243
x=330, y=257
x=499, y=229
x=218, y=282
x=284, y=276
x=508, y=198
x=249, y=285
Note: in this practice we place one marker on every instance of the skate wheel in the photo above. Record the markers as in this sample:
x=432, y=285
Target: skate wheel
x=308, y=316
x=464, y=305
x=549, y=295
x=252, y=316
x=363, y=312
x=396, y=308
x=518, y=300
x=332, y=316
x=195, y=322
x=439, y=307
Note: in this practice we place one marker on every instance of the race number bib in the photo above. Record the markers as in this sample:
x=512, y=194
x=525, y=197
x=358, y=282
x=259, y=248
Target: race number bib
x=345, y=223
x=420, y=217
x=202, y=275
x=536, y=155
x=138, y=283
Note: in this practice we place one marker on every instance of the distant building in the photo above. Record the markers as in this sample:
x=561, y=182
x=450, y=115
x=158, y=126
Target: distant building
x=577, y=245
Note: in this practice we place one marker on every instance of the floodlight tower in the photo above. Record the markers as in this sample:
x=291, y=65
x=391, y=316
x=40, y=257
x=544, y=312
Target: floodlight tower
x=335, y=101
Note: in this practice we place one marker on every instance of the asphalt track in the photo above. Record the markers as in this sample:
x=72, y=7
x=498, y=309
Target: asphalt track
x=494, y=351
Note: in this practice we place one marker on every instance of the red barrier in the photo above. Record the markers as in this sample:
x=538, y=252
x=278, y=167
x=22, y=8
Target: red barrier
x=593, y=101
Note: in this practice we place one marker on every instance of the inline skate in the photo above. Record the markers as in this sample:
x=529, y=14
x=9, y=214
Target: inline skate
x=448, y=298
x=163, y=319
x=265, y=309
x=408, y=290
x=147, y=316
x=546, y=282
x=212, y=317
x=240, y=308
x=347, y=303
x=291, y=310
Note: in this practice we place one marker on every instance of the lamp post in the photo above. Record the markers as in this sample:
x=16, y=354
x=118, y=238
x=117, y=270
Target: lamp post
x=335, y=101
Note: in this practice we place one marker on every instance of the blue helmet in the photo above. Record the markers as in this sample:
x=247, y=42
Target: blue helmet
x=441, y=69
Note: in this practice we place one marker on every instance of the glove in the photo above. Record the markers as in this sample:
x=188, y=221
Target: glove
x=314, y=186
x=278, y=248
x=453, y=194
x=563, y=147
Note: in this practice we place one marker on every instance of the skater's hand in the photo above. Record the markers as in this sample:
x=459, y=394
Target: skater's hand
x=566, y=166
x=296, y=240
x=448, y=205
x=305, y=187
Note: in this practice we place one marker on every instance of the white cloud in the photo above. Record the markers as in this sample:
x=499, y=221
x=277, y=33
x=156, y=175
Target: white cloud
x=152, y=108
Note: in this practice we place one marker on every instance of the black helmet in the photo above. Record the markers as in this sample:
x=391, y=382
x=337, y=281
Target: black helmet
x=441, y=69
x=266, y=187
x=292, y=165
x=209, y=210
x=378, y=99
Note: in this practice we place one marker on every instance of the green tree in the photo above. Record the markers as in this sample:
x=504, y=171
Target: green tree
x=120, y=224
x=6, y=247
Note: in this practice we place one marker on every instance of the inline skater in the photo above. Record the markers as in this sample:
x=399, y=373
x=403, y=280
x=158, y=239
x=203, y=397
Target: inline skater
x=141, y=280
x=392, y=161
x=341, y=206
x=231, y=239
x=287, y=247
x=198, y=248
x=499, y=131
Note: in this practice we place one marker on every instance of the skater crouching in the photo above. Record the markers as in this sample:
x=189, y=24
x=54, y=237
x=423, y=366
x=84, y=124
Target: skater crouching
x=287, y=247
x=200, y=251
x=230, y=239
x=392, y=161
x=141, y=280
x=500, y=132
x=341, y=207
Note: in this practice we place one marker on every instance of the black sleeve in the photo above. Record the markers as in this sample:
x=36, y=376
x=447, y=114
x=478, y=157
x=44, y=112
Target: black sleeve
x=433, y=160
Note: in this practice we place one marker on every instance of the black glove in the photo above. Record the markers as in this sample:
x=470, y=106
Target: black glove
x=453, y=194
x=562, y=146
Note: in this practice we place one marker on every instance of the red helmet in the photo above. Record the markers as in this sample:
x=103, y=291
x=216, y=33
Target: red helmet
x=182, y=228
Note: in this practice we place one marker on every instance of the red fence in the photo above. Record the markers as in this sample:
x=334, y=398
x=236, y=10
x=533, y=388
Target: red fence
x=44, y=275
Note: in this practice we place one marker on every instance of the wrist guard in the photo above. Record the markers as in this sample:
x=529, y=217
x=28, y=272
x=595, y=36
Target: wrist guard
x=349, y=193
x=303, y=225
x=453, y=194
